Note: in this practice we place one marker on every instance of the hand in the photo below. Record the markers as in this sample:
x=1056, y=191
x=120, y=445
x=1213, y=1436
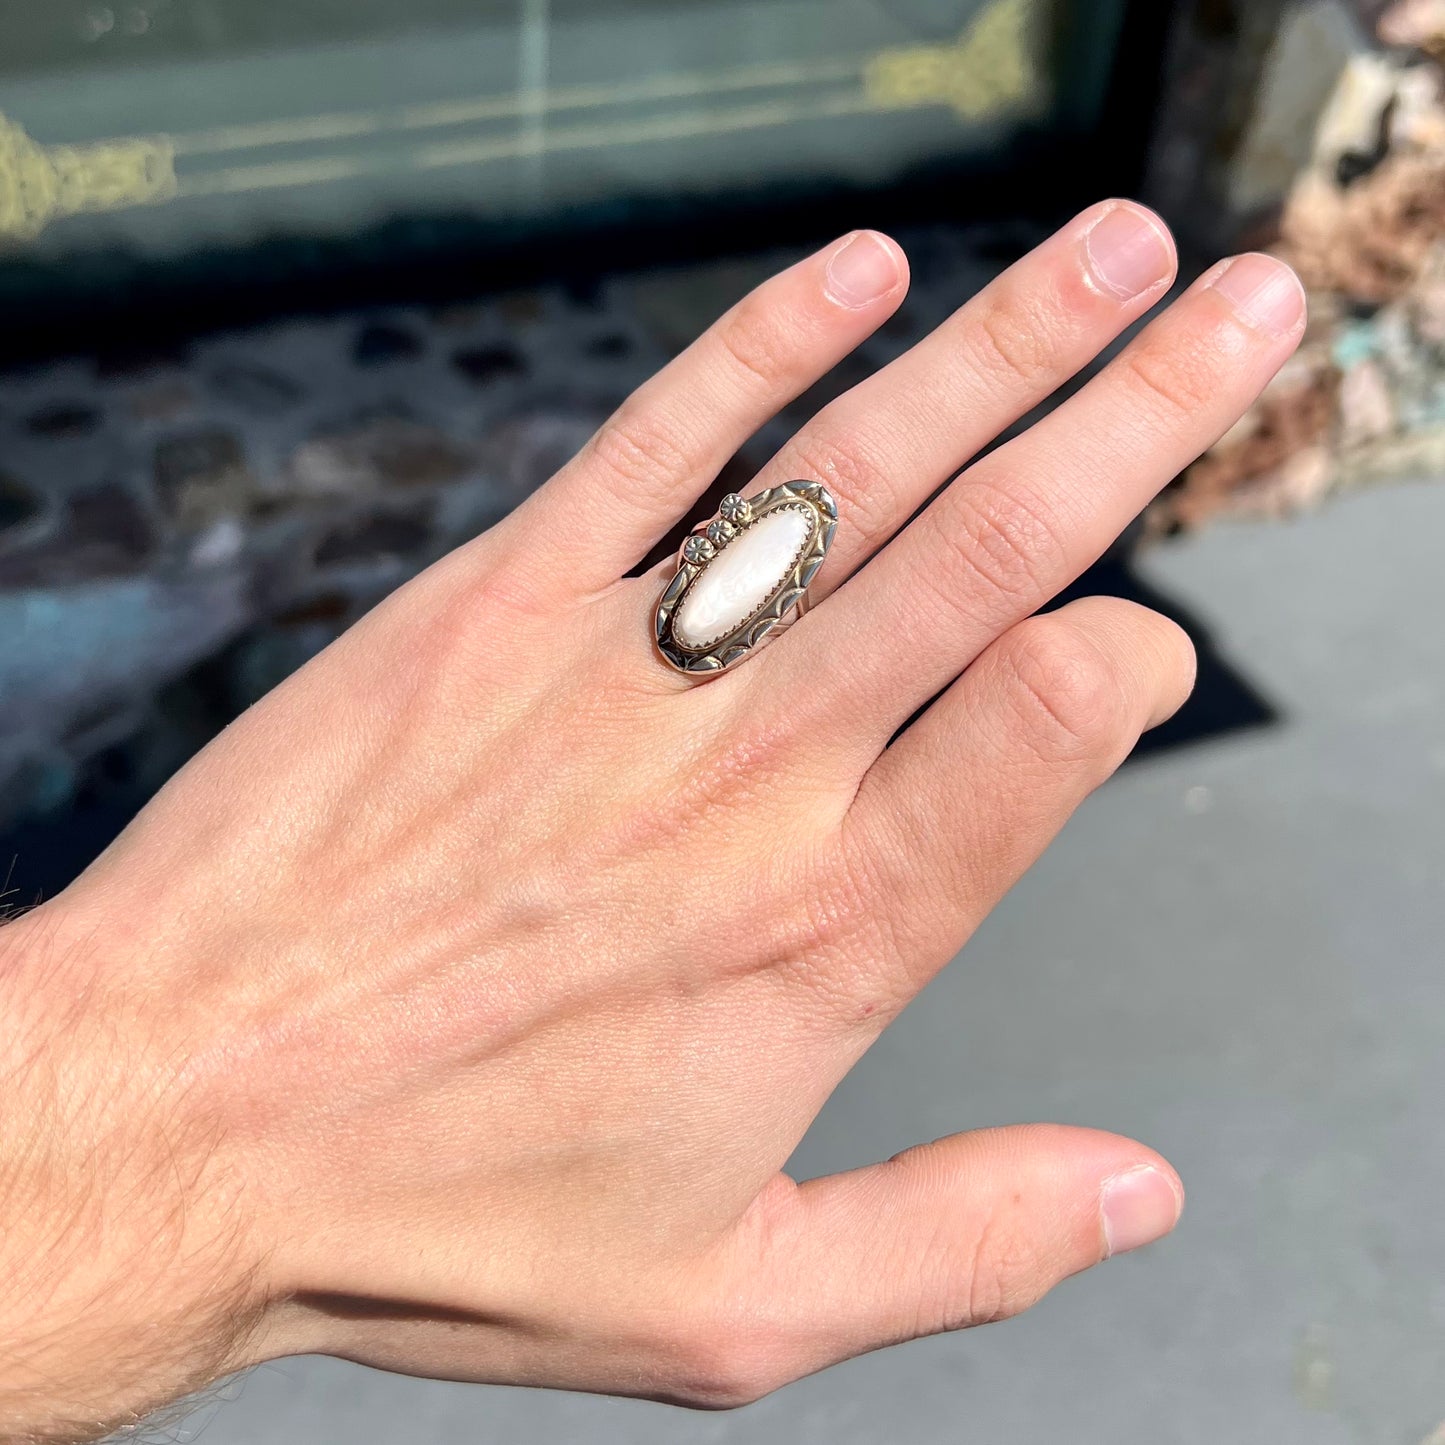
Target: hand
x=457, y=1010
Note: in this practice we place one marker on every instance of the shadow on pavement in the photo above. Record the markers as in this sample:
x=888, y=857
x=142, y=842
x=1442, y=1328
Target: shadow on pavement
x=1224, y=701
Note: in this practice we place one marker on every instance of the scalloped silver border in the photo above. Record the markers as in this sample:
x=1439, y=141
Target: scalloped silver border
x=773, y=616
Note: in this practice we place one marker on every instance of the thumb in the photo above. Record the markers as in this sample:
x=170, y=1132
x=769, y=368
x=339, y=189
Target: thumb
x=962, y=1232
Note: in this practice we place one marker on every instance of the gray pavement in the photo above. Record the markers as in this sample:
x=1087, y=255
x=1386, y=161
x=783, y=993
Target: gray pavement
x=1234, y=953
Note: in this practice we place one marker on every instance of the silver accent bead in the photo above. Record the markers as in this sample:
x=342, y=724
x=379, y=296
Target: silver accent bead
x=735, y=510
x=698, y=550
x=721, y=533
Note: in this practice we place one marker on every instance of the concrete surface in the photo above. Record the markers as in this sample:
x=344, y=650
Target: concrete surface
x=1234, y=954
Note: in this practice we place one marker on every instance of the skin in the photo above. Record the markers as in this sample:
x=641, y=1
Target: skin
x=457, y=1010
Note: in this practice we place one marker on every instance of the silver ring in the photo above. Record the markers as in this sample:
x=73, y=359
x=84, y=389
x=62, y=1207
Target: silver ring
x=743, y=577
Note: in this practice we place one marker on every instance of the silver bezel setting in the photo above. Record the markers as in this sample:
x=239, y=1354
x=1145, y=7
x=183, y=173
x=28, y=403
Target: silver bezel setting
x=784, y=605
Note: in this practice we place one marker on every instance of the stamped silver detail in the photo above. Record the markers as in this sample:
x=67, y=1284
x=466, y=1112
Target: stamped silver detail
x=784, y=601
x=736, y=510
x=698, y=550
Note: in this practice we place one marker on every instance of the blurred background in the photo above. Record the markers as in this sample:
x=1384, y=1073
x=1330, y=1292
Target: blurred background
x=295, y=297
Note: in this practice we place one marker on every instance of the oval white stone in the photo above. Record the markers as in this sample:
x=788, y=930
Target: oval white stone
x=741, y=578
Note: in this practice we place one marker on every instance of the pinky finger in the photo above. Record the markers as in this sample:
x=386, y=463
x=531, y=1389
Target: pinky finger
x=969, y=797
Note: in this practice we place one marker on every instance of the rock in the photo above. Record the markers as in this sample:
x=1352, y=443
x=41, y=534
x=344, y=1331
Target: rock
x=1301, y=483
x=1353, y=133
x=222, y=545
x=1418, y=453
x=676, y=305
x=380, y=343
x=522, y=308
x=484, y=364
x=1313, y=49
x=525, y=450
x=610, y=346
x=140, y=358
x=1417, y=118
x=380, y=537
x=1427, y=304
x=1253, y=470
x=110, y=514
x=334, y=609
x=68, y=647
x=19, y=506
x=202, y=476
x=457, y=316
x=47, y=783
x=1367, y=409
x=1416, y=23
x=381, y=452
x=331, y=466
x=105, y=722
x=162, y=401
x=64, y=419
x=102, y=533
x=1396, y=344
x=267, y=658
x=1371, y=241
x=1354, y=342
x=260, y=390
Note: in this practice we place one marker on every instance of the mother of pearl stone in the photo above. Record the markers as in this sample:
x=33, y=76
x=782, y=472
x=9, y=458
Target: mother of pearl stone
x=742, y=577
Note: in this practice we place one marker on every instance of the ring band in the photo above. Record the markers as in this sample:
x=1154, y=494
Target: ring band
x=743, y=577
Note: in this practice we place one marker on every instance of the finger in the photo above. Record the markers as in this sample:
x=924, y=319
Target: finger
x=954, y=813
x=650, y=462
x=890, y=443
x=966, y=1231
x=1026, y=521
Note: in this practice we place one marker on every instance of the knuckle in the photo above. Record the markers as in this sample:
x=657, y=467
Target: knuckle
x=1002, y=538
x=747, y=764
x=481, y=616
x=845, y=950
x=1067, y=690
x=1003, y=1278
x=641, y=449
x=867, y=495
x=505, y=586
x=1176, y=377
x=986, y=1270
x=755, y=345
x=724, y=1367
x=724, y=782
x=843, y=906
x=1016, y=347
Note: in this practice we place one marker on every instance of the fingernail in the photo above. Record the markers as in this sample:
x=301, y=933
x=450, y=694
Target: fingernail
x=1138, y=1208
x=1128, y=253
x=1264, y=292
x=863, y=269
